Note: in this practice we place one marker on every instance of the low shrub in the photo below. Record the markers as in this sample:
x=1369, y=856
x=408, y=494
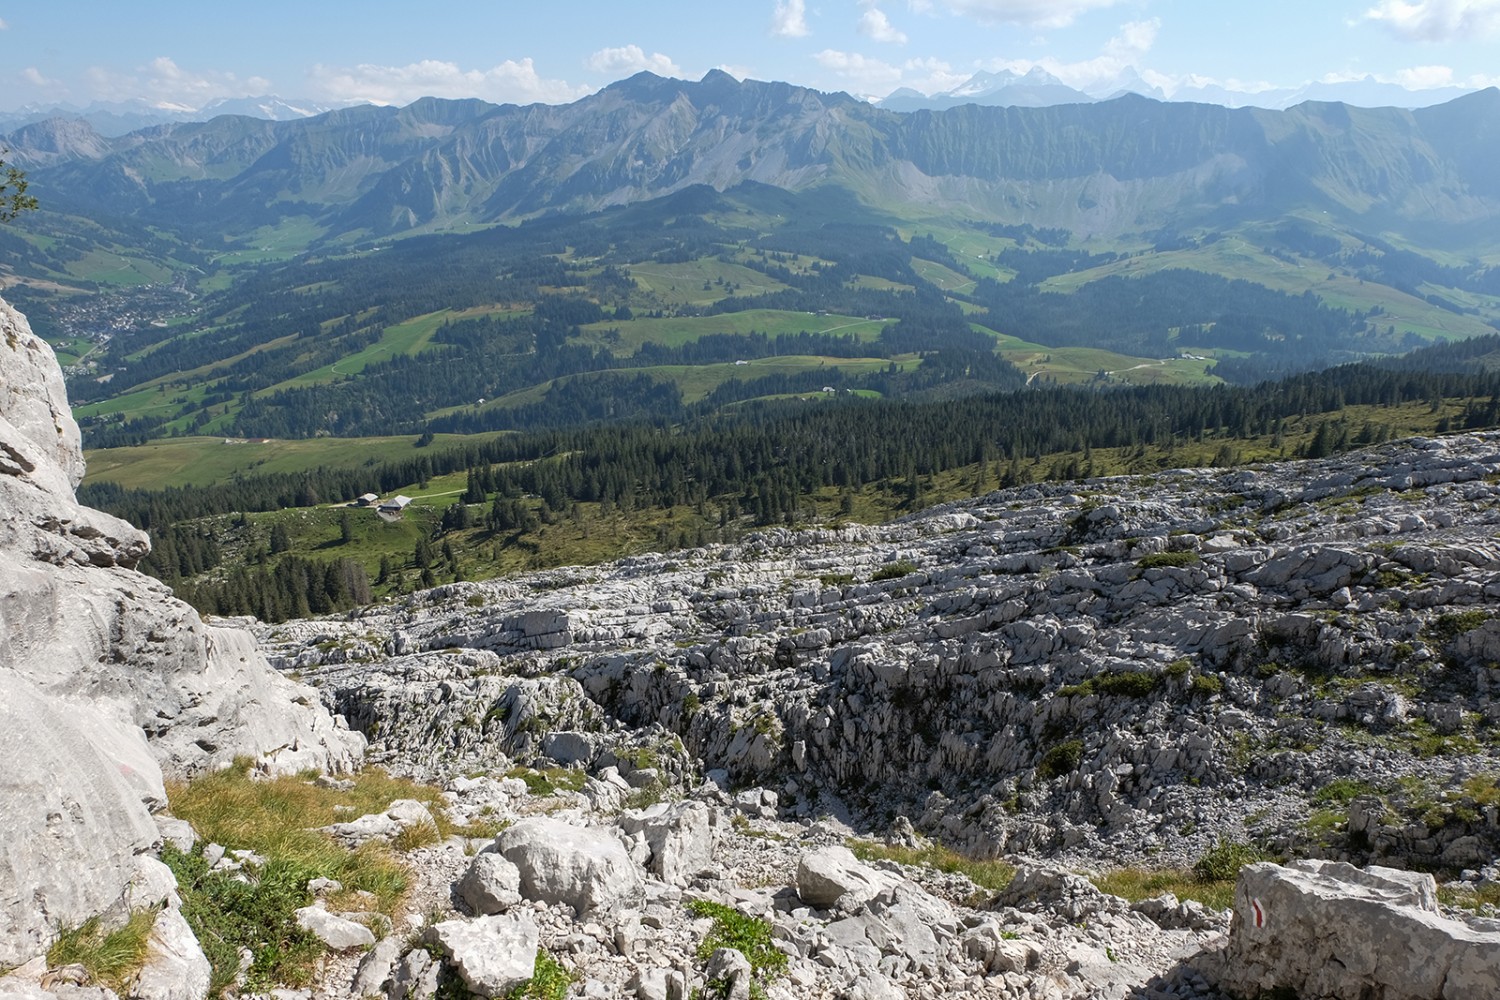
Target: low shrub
x=1061, y=759
x=894, y=571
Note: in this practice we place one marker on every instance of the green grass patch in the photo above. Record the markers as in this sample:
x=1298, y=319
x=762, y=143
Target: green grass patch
x=275, y=818
x=1136, y=884
x=750, y=936
x=227, y=914
x=112, y=958
x=550, y=780
x=625, y=337
x=203, y=461
x=410, y=337
x=550, y=981
x=1161, y=560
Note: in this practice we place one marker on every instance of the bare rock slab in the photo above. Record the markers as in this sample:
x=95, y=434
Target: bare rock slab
x=492, y=955
x=333, y=930
x=1329, y=931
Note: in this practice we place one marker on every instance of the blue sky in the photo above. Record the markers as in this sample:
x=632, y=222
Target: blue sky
x=189, y=53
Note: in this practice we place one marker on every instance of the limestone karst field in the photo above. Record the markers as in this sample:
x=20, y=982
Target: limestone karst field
x=967, y=753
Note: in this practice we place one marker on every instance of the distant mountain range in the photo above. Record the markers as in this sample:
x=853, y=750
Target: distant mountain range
x=115, y=118
x=1129, y=164
x=1037, y=88
x=1034, y=89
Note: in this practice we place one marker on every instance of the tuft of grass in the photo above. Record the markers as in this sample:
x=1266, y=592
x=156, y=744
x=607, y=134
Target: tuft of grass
x=1342, y=791
x=112, y=958
x=1160, y=560
x=413, y=837
x=993, y=875
x=1469, y=899
x=750, y=936
x=1223, y=861
x=1136, y=884
x=549, y=981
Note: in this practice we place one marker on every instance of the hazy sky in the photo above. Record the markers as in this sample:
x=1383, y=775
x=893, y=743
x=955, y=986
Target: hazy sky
x=188, y=53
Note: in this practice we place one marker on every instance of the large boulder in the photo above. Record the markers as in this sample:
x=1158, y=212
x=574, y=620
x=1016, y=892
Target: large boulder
x=560, y=863
x=832, y=875
x=1325, y=930
x=491, y=885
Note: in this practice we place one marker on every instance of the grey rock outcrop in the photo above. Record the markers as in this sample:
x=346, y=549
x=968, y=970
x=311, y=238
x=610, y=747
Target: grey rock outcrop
x=1107, y=671
x=1329, y=931
x=106, y=680
x=680, y=836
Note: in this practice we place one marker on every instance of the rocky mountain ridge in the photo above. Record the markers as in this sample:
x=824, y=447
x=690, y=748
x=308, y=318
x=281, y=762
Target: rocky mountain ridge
x=1126, y=165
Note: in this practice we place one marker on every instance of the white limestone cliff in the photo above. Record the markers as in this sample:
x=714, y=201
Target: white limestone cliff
x=106, y=680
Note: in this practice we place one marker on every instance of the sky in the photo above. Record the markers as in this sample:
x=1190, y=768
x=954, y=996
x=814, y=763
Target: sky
x=187, y=54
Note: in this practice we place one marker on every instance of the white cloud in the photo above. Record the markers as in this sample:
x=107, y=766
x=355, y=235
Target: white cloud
x=874, y=24
x=3, y=25
x=789, y=19
x=1034, y=13
x=1425, y=77
x=513, y=81
x=1128, y=46
x=34, y=76
x=164, y=83
x=869, y=74
x=1437, y=20
x=1417, y=78
x=930, y=75
x=1134, y=40
x=631, y=59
